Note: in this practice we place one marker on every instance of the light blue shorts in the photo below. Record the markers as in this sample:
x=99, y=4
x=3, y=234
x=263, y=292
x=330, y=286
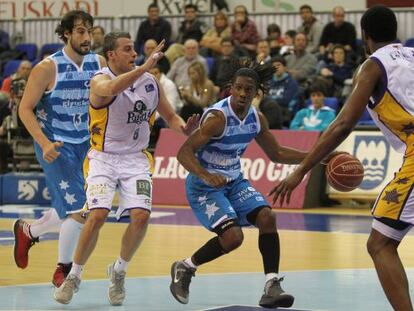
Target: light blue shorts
x=212, y=205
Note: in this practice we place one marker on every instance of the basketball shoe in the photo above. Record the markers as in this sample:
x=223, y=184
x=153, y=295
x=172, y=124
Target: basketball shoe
x=23, y=241
x=181, y=276
x=61, y=272
x=64, y=293
x=274, y=296
x=116, y=291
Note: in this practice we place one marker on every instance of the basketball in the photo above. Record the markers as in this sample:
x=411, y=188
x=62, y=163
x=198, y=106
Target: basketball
x=344, y=172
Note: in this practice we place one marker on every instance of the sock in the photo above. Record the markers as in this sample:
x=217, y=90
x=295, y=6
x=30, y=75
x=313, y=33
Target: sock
x=190, y=263
x=68, y=238
x=76, y=270
x=270, y=249
x=47, y=223
x=120, y=265
x=209, y=251
x=270, y=276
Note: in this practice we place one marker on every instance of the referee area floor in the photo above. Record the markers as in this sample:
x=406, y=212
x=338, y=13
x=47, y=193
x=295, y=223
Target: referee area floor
x=323, y=258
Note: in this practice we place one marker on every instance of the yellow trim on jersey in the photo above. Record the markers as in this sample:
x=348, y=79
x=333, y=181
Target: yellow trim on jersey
x=393, y=115
x=98, y=122
x=150, y=160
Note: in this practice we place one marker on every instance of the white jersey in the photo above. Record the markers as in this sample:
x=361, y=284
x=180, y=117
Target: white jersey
x=124, y=125
x=392, y=105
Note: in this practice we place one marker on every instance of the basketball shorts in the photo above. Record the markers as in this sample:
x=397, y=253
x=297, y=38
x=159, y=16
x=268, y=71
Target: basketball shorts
x=396, y=203
x=212, y=205
x=64, y=177
x=129, y=173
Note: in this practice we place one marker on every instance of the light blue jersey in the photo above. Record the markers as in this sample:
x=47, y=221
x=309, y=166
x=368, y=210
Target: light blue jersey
x=63, y=111
x=222, y=154
x=237, y=199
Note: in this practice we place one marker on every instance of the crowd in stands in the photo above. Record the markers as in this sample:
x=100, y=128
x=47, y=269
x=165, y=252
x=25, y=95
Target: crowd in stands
x=314, y=65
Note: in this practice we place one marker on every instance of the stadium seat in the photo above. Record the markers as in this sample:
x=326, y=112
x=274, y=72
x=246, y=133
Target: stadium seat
x=366, y=119
x=331, y=102
x=409, y=42
x=49, y=48
x=210, y=63
x=30, y=49
x=11, y=67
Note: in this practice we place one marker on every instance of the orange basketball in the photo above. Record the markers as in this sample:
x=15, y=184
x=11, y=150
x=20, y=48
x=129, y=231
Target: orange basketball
x=344, y=172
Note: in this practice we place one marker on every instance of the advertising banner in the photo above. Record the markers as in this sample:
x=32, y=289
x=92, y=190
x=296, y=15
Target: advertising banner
x=380, y=163
x=169, y=176
x=25, y=188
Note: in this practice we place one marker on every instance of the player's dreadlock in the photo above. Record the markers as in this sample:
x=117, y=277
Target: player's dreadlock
x=261, y=74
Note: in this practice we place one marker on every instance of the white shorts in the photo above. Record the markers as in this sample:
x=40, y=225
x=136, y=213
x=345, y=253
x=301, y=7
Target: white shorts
x=129, y=173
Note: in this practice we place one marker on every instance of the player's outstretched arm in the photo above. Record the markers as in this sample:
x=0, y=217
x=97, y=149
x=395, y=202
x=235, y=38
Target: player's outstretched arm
x=105, y=87
x=212, y=126
x=174, y=121
x=366, y=80
x=276, y=152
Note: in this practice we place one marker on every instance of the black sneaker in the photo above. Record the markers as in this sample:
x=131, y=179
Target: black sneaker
x=274, y=296
x=181, y=276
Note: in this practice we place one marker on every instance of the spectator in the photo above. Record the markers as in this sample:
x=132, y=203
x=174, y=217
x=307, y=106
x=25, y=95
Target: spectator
x=22, y=73
x=149, y=47
x=288, y=38
x=317, y=116
x=170, y=89
x=178, y=72
x=98, y=33
x=244, y=31
x=311, y=27
x=274, y=37
x=283, y=88
x=5, y=150
x=301, y=64
x=200, y=94
x=263, y=52
x=338, y=32
x=212, y=38
x=222, y=64
x=335, y=73
x=154, y=27
x=4, y=41
x=191, y=27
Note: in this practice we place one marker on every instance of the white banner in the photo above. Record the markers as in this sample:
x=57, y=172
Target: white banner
x=380, y=162
x=18, y=9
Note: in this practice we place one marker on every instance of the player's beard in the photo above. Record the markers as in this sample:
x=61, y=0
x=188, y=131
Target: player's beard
x=80, y=50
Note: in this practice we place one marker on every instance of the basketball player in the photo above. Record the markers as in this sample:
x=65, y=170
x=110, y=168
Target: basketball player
x=123, y=103
x=384, y=83
x=58, y=88
x=222, y=200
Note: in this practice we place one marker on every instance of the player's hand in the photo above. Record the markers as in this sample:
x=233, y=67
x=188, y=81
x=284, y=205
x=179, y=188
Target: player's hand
x=191, y=125
x=155, y=56
x=284, y=189
x=50, y=151
x=333, y=154
x=215, y=180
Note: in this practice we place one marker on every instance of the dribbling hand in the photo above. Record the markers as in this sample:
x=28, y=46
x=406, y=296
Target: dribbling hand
x=285, y=187
x=50, y=151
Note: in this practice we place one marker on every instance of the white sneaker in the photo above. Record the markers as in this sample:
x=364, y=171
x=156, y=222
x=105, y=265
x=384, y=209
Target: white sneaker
x=64, y=293
x=116, y=291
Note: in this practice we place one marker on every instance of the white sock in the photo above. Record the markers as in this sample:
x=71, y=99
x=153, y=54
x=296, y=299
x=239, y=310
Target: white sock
x=68, y=238
x=120, y=265
x=47, y=223
x=76, y=270
x=270, y=276
x=189, y=263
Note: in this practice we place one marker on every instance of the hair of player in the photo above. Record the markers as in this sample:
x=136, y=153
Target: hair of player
x=245, y=67
x=68, y=22
x=380, y=24
x=110, y=41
